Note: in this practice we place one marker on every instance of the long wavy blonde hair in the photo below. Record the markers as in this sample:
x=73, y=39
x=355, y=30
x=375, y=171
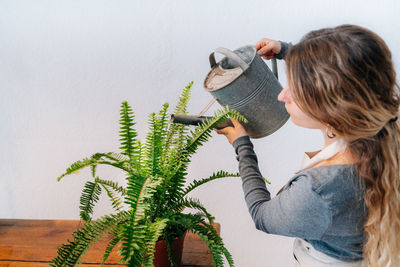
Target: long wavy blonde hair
x=344, y=77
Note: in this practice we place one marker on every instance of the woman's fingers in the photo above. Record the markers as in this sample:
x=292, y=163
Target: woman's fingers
x=235, y=123
x=263, y=42
x=222, y=131
x=267, y=48
x=232, y=133
x=260, y=44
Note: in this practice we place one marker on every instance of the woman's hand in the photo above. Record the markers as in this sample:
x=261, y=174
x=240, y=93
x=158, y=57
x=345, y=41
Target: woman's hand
x=233, y=133
x=268, y=48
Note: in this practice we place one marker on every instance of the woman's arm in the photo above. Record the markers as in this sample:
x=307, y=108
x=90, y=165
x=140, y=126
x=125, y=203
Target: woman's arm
x=297, y=211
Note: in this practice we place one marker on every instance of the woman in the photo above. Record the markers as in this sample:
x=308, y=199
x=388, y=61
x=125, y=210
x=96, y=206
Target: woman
x=343, y=206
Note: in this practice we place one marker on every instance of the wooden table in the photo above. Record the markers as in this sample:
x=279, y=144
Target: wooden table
x=33, y=243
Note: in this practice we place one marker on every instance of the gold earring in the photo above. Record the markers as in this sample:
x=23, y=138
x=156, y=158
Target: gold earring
x=329, y=132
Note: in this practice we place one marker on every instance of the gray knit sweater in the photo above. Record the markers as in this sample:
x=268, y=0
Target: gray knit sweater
x=322, y=205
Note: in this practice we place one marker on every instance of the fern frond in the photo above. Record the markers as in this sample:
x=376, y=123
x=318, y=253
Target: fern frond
x=139, y=165
x=216, y=246
x=153, y=232
x=154, y=156
x=202, y=133
x=90, y=195
x=208, y=234
x=108, y=185
x=116, y=157
x=155, y=140
x=214, y=176
x=140, y=190
x=161, y=137
x=176, y=132
x=228, y=255
x=132, y=243
x=181, y=107
x=70, y=254
x=116, y=202
x=93, y=169
x=127, y=133
x=150, y=147
x=93, y=162
x=112, y=184
x=174, y=188
x=195, y=203
x=111, y=245
x=132, y=166
x=172, y=257
x=77, y=166
x=163, y=123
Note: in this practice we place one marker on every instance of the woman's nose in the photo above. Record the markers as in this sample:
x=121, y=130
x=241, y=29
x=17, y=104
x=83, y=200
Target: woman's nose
x=284, y=95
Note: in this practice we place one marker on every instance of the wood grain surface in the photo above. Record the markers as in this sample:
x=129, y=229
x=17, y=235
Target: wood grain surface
x=34, y=243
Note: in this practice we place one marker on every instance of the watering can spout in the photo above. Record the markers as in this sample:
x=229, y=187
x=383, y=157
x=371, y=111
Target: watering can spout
x=196, y=120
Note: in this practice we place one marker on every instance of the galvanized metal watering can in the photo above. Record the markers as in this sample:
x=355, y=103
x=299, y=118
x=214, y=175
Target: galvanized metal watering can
x=244, y=82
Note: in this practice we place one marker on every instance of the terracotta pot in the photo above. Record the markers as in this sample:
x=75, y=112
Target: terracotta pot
x=161, y=253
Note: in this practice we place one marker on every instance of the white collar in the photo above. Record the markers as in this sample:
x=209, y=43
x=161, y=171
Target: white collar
x=326, y=153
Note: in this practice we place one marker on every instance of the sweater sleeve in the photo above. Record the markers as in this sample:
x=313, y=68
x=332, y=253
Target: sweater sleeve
x=284, y=48
x=298, y=211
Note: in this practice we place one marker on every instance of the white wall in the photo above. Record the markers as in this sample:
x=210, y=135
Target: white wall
x=66, y=66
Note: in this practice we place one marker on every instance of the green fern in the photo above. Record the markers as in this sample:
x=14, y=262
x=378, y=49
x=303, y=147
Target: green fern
x=70, y=254
x=214, y=176
x=91, y=162
x=116, y=202
x=155, y=140
x=77, y=166
x=176, y=133
x=195, y=204
x=181, y=107
x=209, y=235
x=89, y=197
x=128, y=134
x=155, y=195
x=111, y=245
x=140, y=190
x=112, y=184
x=153, y=232
x=202, y=133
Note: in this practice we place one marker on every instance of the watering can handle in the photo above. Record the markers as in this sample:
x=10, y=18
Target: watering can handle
x=242, y=64
x=229, y=54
